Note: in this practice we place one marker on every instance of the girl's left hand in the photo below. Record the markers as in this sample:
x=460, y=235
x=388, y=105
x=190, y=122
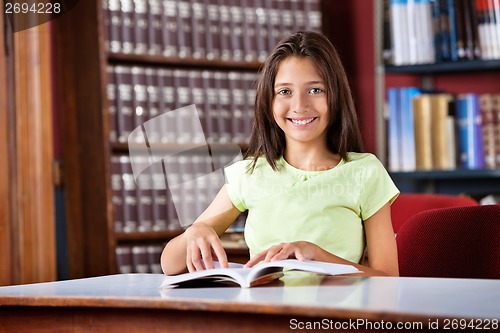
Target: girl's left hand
x=300, y=250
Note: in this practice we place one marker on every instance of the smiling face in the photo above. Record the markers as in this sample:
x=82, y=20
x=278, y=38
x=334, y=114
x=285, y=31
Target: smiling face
x=300, y=106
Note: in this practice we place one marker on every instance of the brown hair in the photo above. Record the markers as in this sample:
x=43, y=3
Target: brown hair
x=343, y=134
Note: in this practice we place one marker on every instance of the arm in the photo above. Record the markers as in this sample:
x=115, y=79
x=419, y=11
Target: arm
x=380, y=242
x=200, y=243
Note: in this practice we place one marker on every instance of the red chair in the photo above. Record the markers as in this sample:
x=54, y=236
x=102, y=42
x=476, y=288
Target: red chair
x=458, y=242
x=408, y=205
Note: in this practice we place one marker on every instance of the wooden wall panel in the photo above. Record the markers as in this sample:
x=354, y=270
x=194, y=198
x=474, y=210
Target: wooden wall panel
x=27, y=241
x=5, y=195
x=33, y=238
x=85, y=146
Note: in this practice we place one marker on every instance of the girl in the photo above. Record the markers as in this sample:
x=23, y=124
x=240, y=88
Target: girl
x=309, y=191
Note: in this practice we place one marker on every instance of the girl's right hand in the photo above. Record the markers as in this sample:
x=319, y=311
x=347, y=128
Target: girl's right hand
x=203, y=246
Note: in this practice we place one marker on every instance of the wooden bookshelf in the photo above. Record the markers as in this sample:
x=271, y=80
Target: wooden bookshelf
x=446, y=67
x=456, y=77
x=82, y=44
x=120, y=58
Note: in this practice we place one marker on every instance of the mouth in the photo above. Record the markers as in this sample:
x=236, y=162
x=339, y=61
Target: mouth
x=301, y=121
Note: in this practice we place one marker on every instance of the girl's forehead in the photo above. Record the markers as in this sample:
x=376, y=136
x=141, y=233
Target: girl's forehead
x=296, y=68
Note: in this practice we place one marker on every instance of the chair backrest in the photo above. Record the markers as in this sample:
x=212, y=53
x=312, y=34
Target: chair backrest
x=458, y=242
x=410, y=204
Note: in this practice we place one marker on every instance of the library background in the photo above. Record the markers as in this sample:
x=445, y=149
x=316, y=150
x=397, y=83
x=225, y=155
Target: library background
x=424, y=77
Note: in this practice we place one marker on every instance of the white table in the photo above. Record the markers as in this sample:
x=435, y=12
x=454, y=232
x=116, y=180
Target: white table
x=133, y=303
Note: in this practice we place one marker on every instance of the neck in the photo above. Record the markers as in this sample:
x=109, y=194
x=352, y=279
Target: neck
x=310, y=159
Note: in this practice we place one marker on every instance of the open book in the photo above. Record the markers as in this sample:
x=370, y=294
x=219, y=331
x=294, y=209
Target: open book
x=265, y=272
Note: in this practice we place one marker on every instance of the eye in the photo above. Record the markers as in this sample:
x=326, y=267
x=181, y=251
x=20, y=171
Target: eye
x=316, y=91
x=284, y=92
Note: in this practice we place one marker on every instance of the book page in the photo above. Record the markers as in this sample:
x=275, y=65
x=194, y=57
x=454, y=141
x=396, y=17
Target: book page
x=261, y=273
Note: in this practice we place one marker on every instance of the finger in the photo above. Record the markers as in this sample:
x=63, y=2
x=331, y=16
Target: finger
x=196, y=259
x=189, y=265
x=282, y=255
x=273, y=251
x=299, y=255
x=220, y=254
x=256, y=259
x=206, y=257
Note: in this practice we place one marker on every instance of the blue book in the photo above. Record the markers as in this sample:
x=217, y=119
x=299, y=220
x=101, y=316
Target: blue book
x=453, y=30
x=393, y=127
x=441, y=30
x=470, y=141
x=408, y=128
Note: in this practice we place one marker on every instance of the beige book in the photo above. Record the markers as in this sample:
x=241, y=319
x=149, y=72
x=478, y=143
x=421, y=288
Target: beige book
x=443, y=133
x=423, y=138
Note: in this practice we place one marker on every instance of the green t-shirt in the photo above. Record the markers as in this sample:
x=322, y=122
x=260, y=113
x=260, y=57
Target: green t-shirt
x=324, y=207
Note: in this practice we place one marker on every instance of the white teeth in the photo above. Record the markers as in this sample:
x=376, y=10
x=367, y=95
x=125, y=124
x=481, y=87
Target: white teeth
x=302, y=122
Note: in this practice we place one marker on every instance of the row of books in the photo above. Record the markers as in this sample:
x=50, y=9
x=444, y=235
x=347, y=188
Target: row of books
x=139, y=258
x=433, y=31
x=144, y=257
x=224, y=101
x=169, y=194
x=206, y=29
x=440, y=131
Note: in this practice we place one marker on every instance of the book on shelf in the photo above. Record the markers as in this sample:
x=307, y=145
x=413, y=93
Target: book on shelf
x=407, y=133
x=441, y=31
x=184, y=29
x=434, y=132
x=488, y=13
x=159, y=205
x=422, y=113
x=130, y=213
x=429, y=31
x=394, y=128
x=141, y=42
x=154, y=28
x=412, y=33
x=139, y=258
x=137, y=94
x=448, y=131
x=144, y=200
x=238, y=275
x=387, y=52
x=399, y=32
x=453, y=32
x=421, y=130
x=488, y=129
x=496, y=126
x=182, y=186
x=472, y=44
x=443, y=132
x=117, y=194
x=128, y=26
x=205, y=29
x=471, y=151
x=113, y=22
x=140, y=109
x=170, y=41
x=459, y=29
x=112, y=105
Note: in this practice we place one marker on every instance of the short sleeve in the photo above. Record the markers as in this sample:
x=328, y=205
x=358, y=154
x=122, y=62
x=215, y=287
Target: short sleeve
x=236, y=183
x=378, y=188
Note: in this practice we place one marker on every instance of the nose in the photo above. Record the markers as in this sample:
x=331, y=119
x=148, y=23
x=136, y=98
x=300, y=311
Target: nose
x=299, y=103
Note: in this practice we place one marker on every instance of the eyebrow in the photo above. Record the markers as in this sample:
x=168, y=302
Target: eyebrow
x=282, y=84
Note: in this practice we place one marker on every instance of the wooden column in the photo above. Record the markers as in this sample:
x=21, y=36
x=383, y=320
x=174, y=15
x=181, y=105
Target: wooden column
x=5, y=189
x=33, y=226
